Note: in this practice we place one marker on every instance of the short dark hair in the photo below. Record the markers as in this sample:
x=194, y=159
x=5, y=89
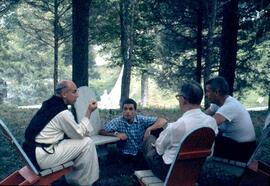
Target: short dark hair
x=129, y=101
x=192, y=92
x=219, y=84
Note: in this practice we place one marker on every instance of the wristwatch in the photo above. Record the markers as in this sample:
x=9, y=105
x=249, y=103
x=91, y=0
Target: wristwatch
x=115, y=133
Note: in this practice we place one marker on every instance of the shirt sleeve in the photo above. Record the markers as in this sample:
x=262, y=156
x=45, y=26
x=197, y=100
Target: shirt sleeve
x=163, y=141
x=213, y=107
x=228, y=111
x=171, y=137
x=148, y=120
x=71, y=128
x=112, y=125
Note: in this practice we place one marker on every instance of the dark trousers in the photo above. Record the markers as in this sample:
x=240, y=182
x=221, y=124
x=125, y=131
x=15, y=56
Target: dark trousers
x=138, y=161
x=230, y=149
x=153, y=159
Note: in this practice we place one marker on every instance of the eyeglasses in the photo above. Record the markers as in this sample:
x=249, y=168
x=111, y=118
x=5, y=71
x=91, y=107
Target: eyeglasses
x=180, y=95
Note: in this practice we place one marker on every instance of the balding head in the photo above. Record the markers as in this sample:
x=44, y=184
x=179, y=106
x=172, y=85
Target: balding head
x=67, y=90
x=62, y=86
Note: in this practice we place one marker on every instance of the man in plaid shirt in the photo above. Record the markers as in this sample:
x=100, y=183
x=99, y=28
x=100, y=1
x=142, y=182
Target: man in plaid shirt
x=132, y=129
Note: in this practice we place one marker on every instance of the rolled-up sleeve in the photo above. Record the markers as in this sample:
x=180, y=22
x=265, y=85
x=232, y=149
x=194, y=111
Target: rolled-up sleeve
x=163, y=141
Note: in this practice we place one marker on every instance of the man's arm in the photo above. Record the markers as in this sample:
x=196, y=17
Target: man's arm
x=159, y=123
x=91, y=108
x=122, y=136
x=219, y=118
x=208, y=111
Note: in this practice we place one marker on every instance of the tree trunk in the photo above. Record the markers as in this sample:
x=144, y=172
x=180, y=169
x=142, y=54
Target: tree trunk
x=211, y=20
x=228, y=49
x=269, y=101
x=144, y=89
x=56, y=42
x=198, y=72
x=80, y=25
x=126, y=46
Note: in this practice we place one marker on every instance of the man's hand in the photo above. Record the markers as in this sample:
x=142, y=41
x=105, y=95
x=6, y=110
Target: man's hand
x=147, y=133
x=91, y=107
x=122, y=136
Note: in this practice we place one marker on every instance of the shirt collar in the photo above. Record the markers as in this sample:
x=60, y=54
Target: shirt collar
x=192, y=111
x=134, y=121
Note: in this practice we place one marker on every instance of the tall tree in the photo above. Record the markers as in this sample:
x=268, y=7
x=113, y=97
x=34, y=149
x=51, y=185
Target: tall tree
x=200, y=13
x=80, y=24
x=126, y=22
x=228, y=49
x=53, y=31
x=6, y=6
x=144, y=88
x=211, y=20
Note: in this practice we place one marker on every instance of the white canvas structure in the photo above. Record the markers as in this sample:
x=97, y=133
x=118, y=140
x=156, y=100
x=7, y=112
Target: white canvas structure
x=85, y=96
x=112, y=100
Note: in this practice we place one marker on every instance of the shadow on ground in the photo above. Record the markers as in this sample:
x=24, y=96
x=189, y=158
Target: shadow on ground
x=114, y=171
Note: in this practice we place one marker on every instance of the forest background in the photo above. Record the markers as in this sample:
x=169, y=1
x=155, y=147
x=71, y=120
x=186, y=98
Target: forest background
x=159, y=44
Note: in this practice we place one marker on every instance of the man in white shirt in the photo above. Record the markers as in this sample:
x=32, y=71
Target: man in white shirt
x=236, y=139
x=53, y=137
x=160, y=153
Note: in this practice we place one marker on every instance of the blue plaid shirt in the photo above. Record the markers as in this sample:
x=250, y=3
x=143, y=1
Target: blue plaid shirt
x=134, y=131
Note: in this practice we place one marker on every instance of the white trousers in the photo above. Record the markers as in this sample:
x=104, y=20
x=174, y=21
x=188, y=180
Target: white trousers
x=81, y=151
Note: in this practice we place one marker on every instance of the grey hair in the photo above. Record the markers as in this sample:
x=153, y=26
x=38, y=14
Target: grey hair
x=192, y=92
x=61, y=87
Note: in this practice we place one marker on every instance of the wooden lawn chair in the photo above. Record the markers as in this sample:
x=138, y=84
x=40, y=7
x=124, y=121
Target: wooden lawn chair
x=29, y=175
x=256, y=172
x=185, y=169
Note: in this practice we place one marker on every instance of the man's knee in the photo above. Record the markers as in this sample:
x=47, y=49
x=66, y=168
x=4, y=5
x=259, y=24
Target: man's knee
x=87, y=142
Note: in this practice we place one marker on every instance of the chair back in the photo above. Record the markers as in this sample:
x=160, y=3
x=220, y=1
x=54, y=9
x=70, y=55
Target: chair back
x=85, y=96
x=192, y=152
x=9, y=136
x=257, y=171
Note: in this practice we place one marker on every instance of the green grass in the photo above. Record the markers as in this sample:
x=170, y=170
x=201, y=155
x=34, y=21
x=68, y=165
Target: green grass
x=112, y=170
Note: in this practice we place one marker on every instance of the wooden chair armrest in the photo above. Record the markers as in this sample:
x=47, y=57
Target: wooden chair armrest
x=229, y=162
x=258, y=166
x=195, y=154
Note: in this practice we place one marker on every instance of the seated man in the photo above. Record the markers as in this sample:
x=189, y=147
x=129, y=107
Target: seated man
x=160, y=152
x=236, y=139
x=131, y=129
x=53, y=137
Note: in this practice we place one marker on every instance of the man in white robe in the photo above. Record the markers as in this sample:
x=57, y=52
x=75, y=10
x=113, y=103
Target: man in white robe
x=62, y=139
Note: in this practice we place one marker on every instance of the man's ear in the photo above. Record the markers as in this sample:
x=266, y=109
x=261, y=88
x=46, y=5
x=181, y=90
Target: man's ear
x=184, y=101
x=63, y=95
